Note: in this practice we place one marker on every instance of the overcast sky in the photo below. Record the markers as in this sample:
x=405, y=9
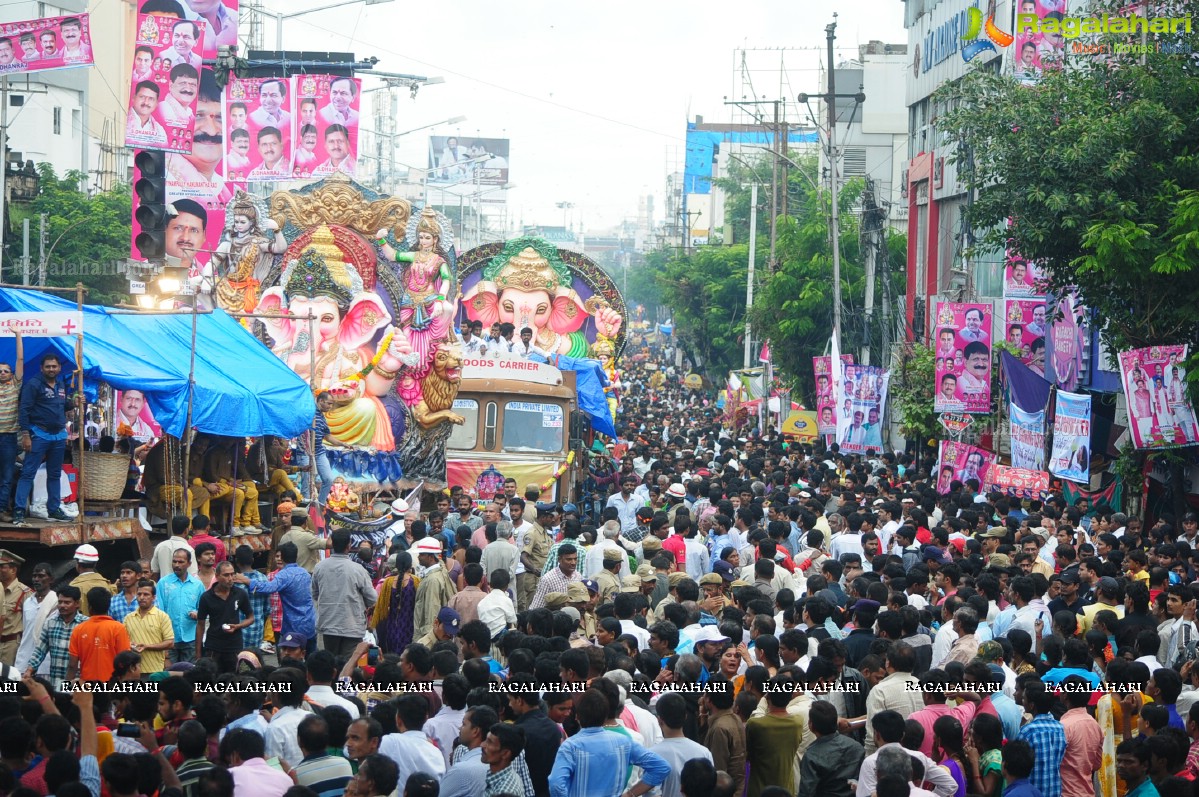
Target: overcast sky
x=592, y=95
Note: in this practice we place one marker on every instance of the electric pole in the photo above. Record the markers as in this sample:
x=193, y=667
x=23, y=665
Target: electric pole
x=749, y=282
x=41, y=250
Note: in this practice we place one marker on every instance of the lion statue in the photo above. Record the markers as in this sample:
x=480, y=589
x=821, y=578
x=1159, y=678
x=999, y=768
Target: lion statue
x=439, y=388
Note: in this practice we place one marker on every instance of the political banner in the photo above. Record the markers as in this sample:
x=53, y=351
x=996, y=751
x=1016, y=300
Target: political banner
x=473, y=161
x=1070, y=457
x=1037, y=52
x=259, y=115
x=165, y=83
x=961, y=462
x=1067, y=342
x=327, y=127
x=1160, y=411
x=826, y=405
x=133, y=413
x=221, y=18
x=1025, y=328
x=860, y=419
x=38, y=45
x=1021, y=279
x=1017, y=482
x=1027, y=438
x=963, y=340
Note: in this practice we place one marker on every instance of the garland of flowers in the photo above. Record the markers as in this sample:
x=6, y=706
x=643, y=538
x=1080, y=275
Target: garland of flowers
x=374, y=360
x=570, y=458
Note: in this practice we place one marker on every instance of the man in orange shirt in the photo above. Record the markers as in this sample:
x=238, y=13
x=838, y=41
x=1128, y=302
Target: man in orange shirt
x=95, y=642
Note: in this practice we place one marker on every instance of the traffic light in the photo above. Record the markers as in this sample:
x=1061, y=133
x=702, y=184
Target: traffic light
x=152, y=216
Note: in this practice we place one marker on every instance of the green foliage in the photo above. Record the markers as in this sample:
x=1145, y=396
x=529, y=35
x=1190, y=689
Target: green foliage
x=1098, y=169
x=911, y=393
x=706, y=293
x=92, y=235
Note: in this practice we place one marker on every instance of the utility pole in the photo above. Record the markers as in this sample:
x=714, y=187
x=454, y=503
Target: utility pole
x=25, y=257
x=835, y=216
x=3, y=169
x=774, y=187
x=870, y=223
x=749, y=282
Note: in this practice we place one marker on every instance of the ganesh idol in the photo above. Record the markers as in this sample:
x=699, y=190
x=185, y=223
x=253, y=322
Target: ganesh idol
x=347, y=319
x=528, y=285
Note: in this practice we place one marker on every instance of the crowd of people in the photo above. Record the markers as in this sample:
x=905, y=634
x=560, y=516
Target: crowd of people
x=726, y=613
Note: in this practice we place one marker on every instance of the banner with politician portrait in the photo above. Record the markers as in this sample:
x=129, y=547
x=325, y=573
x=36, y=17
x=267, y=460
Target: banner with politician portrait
x=259, y=116
x=165, y=84
x=220, y=16
x=1160, y=411
x=1070, y=455
x=860, y=418
x=826, y=404
x=1021, y=278
x=1027, y=438
x=1025, y=328
x=326, y=125
x=1066, y=346
x=963, y=357
x=478, y=161
x=1017, y=482
x=133, y=417
x=37, y=45
x=961, y=462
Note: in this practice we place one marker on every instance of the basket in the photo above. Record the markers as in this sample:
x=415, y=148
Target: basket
x=104, y=475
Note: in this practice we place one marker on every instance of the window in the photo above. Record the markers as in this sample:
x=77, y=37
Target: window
x=532, y=426
x=58, y=121
x=463, y=437
x=853, y=161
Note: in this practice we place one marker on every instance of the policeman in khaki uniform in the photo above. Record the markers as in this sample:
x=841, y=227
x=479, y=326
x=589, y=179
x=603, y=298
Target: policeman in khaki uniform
x=607, y=578
x=11, y=605
x=579, y=599
x=714, y=600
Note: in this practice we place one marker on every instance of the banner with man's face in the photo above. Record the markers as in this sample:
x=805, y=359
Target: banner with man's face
x=165, y=84
x=1159, y=406
x=38, y=45
x=1026, y=329
x=326, y=125
x=259, y=129
x=133, y=417
x=962, y=336
x=961, y=462
x=860, y=419
x=826, y=404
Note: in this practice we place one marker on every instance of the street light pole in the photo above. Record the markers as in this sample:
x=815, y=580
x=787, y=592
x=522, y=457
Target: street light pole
x=749, y=282
x=280, y=16
x=835, y=216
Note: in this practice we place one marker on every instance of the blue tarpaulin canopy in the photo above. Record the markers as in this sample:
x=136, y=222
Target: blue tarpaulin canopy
x=590, y=381
x=242, y=389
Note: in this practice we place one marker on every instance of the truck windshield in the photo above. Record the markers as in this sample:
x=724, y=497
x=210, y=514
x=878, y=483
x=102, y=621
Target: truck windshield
x=532, y=426
x=463, y=437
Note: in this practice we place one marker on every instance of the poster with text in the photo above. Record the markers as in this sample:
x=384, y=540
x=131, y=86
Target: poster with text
x=1037, y=50
x=1070, y=457
x=826, y=405
x=1025, y=328
x=164, y=85
x=36, y=45
x=1027, y=438
x=133, y=412
x=860, y=419
x=327, y=125
x=961, y=462
x=1160, y=412
x=259, y=116
x=1067, y=342
x=1021, y=279
x=1017, y=482
x=466, y=159
x=963, y=350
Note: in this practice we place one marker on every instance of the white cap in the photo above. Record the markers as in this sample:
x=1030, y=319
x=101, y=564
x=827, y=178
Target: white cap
x=709, y=633
x=399, y=506
x=87, y=553
x=428, y=545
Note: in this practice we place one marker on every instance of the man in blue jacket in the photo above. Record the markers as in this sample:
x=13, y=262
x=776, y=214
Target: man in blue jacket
x=42, y=418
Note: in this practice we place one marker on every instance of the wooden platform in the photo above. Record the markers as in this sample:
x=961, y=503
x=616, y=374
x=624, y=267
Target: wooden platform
x=93, y=530
x=257, y=542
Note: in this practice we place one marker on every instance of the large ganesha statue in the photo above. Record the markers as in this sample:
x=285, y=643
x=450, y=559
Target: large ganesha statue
x=528, y=285
x=337, y=344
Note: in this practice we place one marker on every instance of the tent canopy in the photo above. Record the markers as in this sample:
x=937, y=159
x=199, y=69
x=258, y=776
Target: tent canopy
x=590, y=381
x=242, y=389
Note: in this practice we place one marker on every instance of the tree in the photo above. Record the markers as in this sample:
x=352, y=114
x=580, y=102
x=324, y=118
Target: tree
x=89, y=235
x=1097, y=167
x=706, y=294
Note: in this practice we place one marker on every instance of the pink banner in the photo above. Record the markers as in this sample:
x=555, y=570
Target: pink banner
x=1017, y=482
x=165, y=84
x=1160, y=411
x=963, y=348
x=36, y=45
x=221, y=18
x=1021, y=279
x=1067, y=337
x=962, y=462
x=826, y=407
x=259, y=117
x=327, y=130
x=1024, y=328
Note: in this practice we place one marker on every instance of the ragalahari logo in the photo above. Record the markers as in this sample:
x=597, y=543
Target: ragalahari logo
x=975, y=26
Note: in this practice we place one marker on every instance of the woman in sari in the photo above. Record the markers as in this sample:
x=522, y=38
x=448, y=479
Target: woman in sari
x=393, y=618
x=948, y=746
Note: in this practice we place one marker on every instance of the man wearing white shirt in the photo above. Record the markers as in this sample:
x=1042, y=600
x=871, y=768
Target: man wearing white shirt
x=220, y=19
x=270, y=113
x=143, y=64
x=270, y=147
x=341, y=94
x=337, y=144
x=183, y=42
x=141, y=128
x=595, y=557
x=626, y=503
x=176, y=110
x=282, y=739
x=411, y=749
x=887, y=728
x=38, y=607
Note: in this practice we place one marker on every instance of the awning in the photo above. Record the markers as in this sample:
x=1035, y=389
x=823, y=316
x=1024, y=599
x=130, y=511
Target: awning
x=590, y=381
x=242, y=389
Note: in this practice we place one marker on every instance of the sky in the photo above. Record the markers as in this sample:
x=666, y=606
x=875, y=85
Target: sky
x=595, y=97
